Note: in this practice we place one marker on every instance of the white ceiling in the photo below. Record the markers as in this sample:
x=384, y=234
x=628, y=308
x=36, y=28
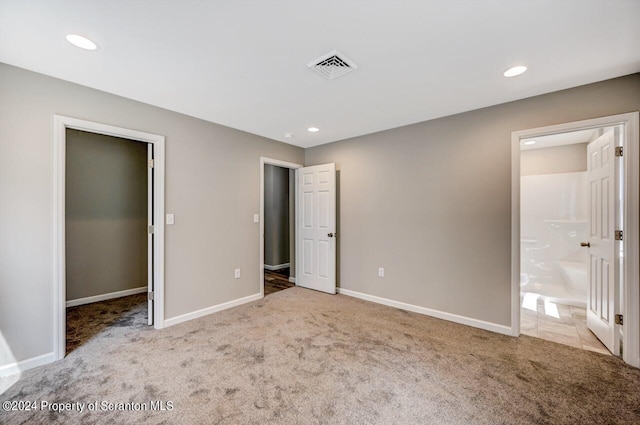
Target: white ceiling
x=559, y=139
x=242, y=63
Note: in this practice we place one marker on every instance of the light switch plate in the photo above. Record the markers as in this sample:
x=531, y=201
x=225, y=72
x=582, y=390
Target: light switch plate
x=256, y=218
x=237, y=273
x=171, y=219
x=381, y=272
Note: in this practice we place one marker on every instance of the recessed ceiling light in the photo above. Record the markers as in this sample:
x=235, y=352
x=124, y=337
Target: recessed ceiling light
x=313, y=129
x=288, y=135
x=515, y=71
x=530, y=142
x=81, y=42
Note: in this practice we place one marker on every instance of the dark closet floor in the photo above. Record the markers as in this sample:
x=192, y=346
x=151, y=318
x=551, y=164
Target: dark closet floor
x=85, y=322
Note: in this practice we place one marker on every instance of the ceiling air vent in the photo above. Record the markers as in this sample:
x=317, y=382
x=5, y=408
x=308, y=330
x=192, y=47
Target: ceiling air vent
x=332, y=65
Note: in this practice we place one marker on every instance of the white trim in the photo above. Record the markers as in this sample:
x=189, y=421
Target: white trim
x=292, y=279
x=515, y=238
x=631, y=225
x=210, y=310
x=276, y=267
x=104, y=297
x=22, y=365
x=279, y=163
x=150, y=236
x=61, y=123
x=463, y=320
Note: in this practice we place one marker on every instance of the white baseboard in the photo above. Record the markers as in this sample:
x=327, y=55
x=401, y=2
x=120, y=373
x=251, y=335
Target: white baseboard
x=209, y=310
x=13, y=368
x=276, y=267
x=292, y=279
x=103, y=297
x=463, y=320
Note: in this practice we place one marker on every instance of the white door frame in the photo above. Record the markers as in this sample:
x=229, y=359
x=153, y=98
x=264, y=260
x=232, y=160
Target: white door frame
x=61, y=123
x=631, y=222
x=284, y=164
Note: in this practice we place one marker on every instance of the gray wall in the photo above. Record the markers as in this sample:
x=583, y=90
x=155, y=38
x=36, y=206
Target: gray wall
x=276, y=215
x=558, y=159
x=106, y=214
x=431, y=202
x=212, y=186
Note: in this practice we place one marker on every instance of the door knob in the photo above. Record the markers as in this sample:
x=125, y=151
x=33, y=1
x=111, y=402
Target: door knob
x=587, y=244
x=332, y=235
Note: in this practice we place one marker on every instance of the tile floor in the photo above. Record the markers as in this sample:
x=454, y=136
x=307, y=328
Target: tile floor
x=558, y=323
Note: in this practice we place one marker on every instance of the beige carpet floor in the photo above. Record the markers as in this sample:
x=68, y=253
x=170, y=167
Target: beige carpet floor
x=303, y=357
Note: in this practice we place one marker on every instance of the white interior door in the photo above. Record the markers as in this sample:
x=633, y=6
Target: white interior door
x=602, y=294
x=316, y=228
x=150, y=233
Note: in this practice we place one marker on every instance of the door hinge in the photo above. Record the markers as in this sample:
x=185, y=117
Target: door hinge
x=618, y=150
x=618, y=235
x=151, y=296
x=151, y=229
x=619, y=319
x=151, y=163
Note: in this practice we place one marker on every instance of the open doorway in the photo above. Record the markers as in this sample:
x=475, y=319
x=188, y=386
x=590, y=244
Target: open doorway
x=312, y=233
x=574, y=198
x=278, y=224
x=108, y=233
x=554, y=228
x=108, y=245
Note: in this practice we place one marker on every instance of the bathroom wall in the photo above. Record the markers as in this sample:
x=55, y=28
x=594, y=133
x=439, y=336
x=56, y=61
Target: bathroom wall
x=558, y=159
x=553, y=223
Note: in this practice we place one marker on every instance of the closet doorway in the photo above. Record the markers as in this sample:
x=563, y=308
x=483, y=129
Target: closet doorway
x=109, y=187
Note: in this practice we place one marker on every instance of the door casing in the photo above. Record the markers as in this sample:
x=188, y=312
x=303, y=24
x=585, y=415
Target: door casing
x=61, y=124
x=630, y=225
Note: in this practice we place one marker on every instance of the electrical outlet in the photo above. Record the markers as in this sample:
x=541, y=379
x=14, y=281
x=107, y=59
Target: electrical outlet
x=237, y=273
x=381, y=272
x=256, y=218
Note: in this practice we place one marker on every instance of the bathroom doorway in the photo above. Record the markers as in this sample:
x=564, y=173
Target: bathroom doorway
x=553, y=224
x=572, y=213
